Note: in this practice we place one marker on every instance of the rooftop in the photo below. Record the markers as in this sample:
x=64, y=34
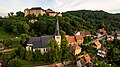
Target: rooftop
x=36, y=8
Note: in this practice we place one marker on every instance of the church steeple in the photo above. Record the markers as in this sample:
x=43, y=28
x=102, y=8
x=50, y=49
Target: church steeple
x=57, y=32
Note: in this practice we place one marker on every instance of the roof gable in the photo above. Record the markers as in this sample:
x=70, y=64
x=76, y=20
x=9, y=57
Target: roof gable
x=79, y=37
x=70, y=39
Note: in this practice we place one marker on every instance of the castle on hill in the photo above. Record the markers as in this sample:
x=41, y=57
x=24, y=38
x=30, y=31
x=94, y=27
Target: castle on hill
x=39, y=11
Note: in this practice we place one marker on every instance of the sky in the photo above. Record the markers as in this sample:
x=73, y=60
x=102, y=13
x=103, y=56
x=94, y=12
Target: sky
x=111, y=6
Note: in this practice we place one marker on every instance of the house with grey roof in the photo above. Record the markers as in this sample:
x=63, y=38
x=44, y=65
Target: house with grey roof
x=41, y=43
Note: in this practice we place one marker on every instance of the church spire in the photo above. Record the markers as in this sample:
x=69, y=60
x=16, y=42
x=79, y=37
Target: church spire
x=57, y=28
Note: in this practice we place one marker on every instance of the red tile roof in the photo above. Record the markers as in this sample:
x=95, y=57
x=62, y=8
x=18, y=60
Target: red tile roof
x=97, y=43
x=102, y=31
x=85, y=58
x=103, y=49
x=70, y=39
x=75, y=46
x=87, y=33
x=79, y=37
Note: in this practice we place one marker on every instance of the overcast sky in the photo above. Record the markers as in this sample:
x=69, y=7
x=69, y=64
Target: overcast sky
x=112, y=6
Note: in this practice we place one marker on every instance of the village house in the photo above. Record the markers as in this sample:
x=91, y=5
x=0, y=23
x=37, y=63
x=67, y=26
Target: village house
x=97, y=44
x=39, y=11
x=84, y=61
x=101, y=32
x=76, y=49
x=56, y=65
x=102, y=52
x=110, y=38
x=82, y=33
x=117, y=33
x=75, y=39
x=40, y=43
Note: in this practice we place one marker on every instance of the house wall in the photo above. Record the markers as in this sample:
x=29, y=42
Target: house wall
x=52, y=14
x=118, y=37
x=43, y=50
x=78, y=33
x=37, y=12
x=79, y=42
x=77, y=51
x=26, y=11
x=40, y=12
x=98, y=46
x=29, y=48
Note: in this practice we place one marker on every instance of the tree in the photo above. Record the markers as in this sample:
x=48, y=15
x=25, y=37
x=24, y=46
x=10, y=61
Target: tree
x=54, y=51
x=26, y=27
x=20, y=52
x=29, y=56
x=7, y=42
x=14, y=63
x=8, y=25
x=46, y=57
x=87, y=39
x=20, y=14
x=37, y=55
x=10, y=14
x=23, y=39
x=65, y=49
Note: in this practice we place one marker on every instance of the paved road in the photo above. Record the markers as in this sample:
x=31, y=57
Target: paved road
x=95, y=40
x=6, y=50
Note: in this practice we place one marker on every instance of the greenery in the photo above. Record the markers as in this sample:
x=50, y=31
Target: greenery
x=31, y=25
x=54, y=51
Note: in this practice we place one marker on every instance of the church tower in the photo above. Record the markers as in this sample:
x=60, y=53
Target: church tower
x=57, y=33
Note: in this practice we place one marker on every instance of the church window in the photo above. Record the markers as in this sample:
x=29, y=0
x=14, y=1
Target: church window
x=44, y=50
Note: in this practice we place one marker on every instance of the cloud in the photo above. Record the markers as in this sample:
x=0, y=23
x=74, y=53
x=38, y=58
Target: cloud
x=107, y=5
x=60, y=5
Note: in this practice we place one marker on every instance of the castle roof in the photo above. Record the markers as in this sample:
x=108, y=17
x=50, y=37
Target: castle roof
x=36, y=8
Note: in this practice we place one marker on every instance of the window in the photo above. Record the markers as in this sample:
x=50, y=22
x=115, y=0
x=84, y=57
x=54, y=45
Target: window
x=44, y=50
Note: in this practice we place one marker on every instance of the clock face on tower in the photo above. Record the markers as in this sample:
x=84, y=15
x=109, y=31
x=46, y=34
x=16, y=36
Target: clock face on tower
x=57, y=37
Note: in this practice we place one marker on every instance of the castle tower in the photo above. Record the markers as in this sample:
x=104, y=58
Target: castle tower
x=57, y=34
x=26, y=11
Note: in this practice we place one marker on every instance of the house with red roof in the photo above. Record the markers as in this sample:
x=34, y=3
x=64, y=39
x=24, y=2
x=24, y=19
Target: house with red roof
x=75, y=48
x=84, y=61
x=75, y=39
x=56, y=65
x=102, y=31
x=97, y=44
x=83, y=33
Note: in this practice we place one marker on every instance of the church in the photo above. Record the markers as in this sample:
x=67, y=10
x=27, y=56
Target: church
x=41, y=43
